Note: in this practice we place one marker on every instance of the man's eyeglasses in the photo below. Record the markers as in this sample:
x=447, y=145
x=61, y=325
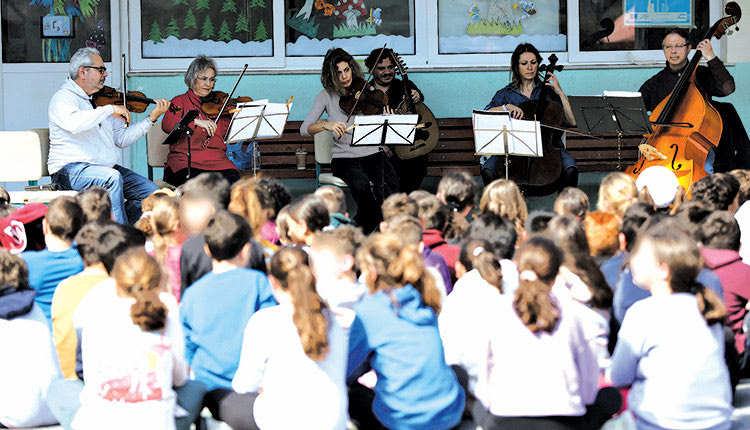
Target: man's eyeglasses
x=205, y=79
x=670, y=47
x=101, y=69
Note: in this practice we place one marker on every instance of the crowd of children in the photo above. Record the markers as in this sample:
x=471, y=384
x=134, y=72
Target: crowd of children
x=274, y=313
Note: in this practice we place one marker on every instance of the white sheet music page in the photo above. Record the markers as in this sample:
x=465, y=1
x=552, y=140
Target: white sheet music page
x=368, y=129
x=524, y=137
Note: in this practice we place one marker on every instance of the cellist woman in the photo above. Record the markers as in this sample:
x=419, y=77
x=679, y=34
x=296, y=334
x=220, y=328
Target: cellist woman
x=526, y=85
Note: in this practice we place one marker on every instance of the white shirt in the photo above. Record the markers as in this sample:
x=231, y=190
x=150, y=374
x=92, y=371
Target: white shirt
x=27, y=367
x=272, y=358
x=80, y=133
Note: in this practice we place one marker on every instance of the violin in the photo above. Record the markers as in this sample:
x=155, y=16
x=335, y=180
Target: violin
x=685, y=125
x=373, y=100
x=211, y=104
x=137, y=102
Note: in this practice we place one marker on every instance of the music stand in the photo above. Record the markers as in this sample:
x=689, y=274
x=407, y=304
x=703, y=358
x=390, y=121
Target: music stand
x=609, y=114
x=255, y=121
x=497, y=133
x=183, y=127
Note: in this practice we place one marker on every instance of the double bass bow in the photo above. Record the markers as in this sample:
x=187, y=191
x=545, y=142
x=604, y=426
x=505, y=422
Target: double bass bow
x=685, y=125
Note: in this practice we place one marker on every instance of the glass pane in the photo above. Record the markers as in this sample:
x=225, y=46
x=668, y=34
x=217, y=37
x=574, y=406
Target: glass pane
x=644, y=34
x=50, y=31
x=314, y=26
x=221, y=28
x=494, y=26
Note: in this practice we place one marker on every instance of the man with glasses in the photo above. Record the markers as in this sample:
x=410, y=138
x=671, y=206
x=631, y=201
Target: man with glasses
x=85, y=141
x=713, y=80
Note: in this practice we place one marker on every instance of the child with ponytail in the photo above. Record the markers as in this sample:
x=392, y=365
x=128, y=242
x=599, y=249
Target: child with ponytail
x=395, y=333
x=540, y=372
x=670, y=348
x=133, y=352
x=292, y=354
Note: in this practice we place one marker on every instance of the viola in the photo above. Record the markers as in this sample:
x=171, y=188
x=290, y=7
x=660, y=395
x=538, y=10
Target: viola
x=367, y=101
x=137, y=102
x=211, y=104
x=685, y=125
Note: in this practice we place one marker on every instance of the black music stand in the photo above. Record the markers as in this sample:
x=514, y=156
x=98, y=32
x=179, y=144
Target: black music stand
x=183, y=127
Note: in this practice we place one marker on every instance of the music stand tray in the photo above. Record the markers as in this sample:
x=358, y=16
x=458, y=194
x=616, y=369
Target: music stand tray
x=380, y=130
x=610, y=114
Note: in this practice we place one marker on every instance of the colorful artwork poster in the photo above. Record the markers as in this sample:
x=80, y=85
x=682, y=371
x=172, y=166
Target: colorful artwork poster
x=658, y=13
x=50, y=31
x=358, y=26
x=497, y=26
x=219, y=28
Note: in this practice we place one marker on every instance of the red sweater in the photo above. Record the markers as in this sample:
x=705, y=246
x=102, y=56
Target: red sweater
x=434, y=240
x=208, y=154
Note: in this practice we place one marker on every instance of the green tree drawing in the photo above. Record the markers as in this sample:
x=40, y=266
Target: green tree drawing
x=190, y=21
x=155, y=33
x=228, y=6
x=225, y=34
x=172, y=29
x=88, y=7
x=241, y=26
x=260, y=33
x=202, y=4
x=179, y=2
x=258, y=3
x=207, y=29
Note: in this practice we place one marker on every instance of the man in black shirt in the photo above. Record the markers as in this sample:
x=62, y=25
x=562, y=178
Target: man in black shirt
x=712, y=80
x=412, y=171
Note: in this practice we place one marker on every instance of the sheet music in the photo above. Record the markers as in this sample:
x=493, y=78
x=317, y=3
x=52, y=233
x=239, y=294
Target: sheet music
x=369, y=129
x=524, y=137
x=258, y=119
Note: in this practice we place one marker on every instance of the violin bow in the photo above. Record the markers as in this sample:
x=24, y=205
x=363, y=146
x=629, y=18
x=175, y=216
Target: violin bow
x=242, y=73
x=369, y=75
x=124, y=87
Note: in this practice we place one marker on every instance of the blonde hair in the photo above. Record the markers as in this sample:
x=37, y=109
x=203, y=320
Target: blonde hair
x=246, y=201
x=139, y=275
x=333, y=197
x=617, y=193
x=397, y=265
x=538, y=262
x=572, y=201
x=290, y=268
x=161, y=215
x=504, y=198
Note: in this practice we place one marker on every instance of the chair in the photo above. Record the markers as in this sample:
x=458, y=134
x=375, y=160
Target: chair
x=24, y=158
x=323, y=145
x=156, y=152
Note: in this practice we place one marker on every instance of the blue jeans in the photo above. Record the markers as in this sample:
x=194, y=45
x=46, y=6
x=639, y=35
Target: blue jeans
x=126, y=188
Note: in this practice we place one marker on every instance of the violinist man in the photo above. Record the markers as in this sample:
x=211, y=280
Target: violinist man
x=713, y=80
x=411, y=171
x=85, y=141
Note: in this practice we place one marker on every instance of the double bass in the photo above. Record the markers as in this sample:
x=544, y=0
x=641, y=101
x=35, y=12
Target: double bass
x=685, y=125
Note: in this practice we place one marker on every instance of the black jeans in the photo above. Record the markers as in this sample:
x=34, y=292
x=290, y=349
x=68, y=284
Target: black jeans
x=233, y=408
x=371, y=179
x=411, y=172
x=180, y=177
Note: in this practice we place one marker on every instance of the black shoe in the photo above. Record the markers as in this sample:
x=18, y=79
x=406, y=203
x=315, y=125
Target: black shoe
x=569, y=178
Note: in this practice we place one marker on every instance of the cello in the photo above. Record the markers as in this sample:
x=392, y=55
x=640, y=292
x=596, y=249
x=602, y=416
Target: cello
x=685, y=125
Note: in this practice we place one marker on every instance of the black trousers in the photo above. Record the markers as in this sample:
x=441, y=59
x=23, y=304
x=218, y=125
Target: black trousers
x=411, y=172
x=180, y=177
x=233, y=408
x=371, y=179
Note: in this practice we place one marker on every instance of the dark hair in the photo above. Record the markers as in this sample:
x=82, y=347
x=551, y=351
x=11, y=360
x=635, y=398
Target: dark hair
x=718, y=190
x=691, y=215
x=104, y=242
x=532, y=300
x=572, y=201
x=291, y=269
x=683, y=258
x=720, y=231
x=64, y=217
x=538, y=221
x=95, y=204
x=138, y=275
x=278, y=193
x=569, y=236
x=226, y=234
x=207, y=186
x=329, y=75
x=370, y=60
x=743, y=177
x=479, y=254
x=632, y=220
x=433, y=213
x=312, y=210
x=678, y=31
x=497, y=230
x=456, y=190
x=13, y=271
x=515, y=59
x=5, y=206
x=399, y=204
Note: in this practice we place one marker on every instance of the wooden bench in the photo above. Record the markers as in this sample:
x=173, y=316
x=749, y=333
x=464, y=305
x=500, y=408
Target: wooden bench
x=454, y=151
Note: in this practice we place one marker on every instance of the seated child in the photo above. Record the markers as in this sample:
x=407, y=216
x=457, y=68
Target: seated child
x=248, y=199
x=60, y=259
x=457, y=192
x=616, y=193
x=502, y=237
x=335, y=201
x=572, y=201
x=435, y=218
x=28, y=363
x=307, y=216
x=279, y=197
x=95, y=204
x=602, y=230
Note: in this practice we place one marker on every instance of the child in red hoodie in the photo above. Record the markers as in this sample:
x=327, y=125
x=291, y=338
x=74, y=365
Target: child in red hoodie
x=435, y=217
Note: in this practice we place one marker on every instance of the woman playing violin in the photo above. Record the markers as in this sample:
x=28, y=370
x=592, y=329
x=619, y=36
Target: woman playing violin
x=526, y=85
x=209, y=152
x=358, y=166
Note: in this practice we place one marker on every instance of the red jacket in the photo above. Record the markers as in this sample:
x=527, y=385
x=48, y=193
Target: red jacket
x=208, y=154
x=734, y=276
x=434, y=240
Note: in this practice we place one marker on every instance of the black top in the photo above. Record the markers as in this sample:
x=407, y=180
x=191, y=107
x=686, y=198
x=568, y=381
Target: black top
x=713, y=80
x=396, y=92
